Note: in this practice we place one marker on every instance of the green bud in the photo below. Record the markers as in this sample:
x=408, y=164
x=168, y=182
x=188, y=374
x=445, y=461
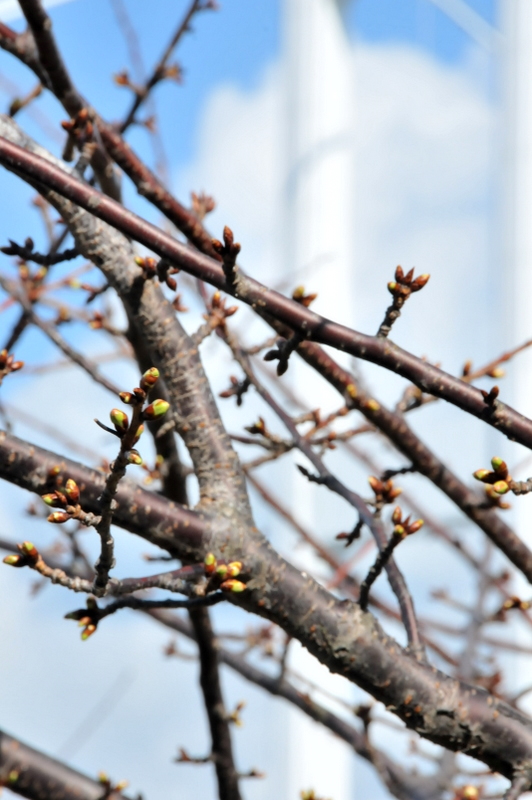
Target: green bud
x=156, y=409
x=481, y=474
x=72, y=490
x=140, y=431
x=51, y=499
x=119, y=419
x=150, y=377
x=233, y=586
x=58, y=517
x=134, y=458
x=501, y=487
x=13, y=560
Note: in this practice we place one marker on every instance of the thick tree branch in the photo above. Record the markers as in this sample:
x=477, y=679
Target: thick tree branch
x=32, y=774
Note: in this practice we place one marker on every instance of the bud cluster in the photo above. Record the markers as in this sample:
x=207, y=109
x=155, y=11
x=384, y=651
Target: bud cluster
x=67, y=499
x=403, y=527
x=87, y=618
x=404, y=285
x=223, y=575
x=385, y=492
x=497, y=480
x=161, y=269
x=29, y=556
x=8, y=364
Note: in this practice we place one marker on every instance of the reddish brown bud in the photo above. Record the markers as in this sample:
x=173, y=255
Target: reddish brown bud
x=58, y=517
x=72, y=490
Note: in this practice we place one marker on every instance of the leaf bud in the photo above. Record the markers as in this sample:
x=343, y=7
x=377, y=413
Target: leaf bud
x=399, y=530
x=72, y=490
x=126, y=397
x=119, y=419
x=234, y=569
x=156, y=409
x=232, y=585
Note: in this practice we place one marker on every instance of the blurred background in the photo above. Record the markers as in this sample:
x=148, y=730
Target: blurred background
x=339, y=139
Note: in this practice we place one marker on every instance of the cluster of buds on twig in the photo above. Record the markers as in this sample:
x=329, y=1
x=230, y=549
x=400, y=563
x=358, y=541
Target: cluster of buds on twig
x=80, y=131
x=8, y=364
x=161, y=269
x=385, y=492
x=498, y=482
x=304, y=299
x=66, y=502
x=404, y=285
x=87, y=618
x=223, y=575
x=110, y=787
x=28, y=556
x=237, y=389
x=131, y=431
x=401, y=288
x=228, y=252
x=217, y=312
x=283, y=351
x=403, y=527
x=202, y=204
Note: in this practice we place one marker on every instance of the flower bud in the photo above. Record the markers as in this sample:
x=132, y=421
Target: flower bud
x=150, y=377
x=28, y=549
x=481, y=474
x=375, y=484
x=397, y=515
x=209, y=563
x=16, y=365
x=234, y=568
x=126, y=397
x=134, y=458
x=221, y=570
x=498, y=464
x=156, y=409
x=13, y=560
x=399, y=531
x=501, y=487
x=51, y=500
x=140, y=431
x=58, y=517
x=415, y=526
x=89, y=630
x=72, y=490
x=119, y=419
x=232, y=585
x=392, y=287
